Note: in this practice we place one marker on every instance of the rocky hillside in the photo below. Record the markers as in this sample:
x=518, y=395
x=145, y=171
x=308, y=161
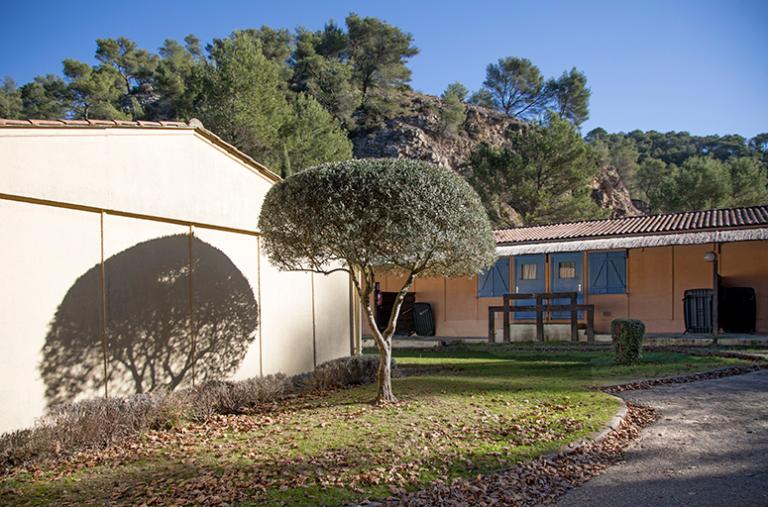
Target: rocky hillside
x=416, y=134
x=610, y=192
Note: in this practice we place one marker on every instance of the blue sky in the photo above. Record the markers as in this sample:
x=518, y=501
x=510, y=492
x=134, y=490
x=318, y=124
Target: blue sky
x=700, y=66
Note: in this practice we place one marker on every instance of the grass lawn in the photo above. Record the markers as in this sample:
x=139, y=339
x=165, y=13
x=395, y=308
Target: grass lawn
x=480, y=409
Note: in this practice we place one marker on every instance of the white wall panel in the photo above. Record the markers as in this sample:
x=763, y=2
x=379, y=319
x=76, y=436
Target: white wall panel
x=165, y=173
x=225, y=298
x=148, y=326
x=46, y=251
x=332, y=302
x=286, y=326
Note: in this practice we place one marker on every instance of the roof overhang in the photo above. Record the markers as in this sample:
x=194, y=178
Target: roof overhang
x=641, y=241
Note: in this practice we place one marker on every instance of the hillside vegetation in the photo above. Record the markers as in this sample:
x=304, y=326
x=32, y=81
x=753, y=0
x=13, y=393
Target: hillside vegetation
x=293, y=99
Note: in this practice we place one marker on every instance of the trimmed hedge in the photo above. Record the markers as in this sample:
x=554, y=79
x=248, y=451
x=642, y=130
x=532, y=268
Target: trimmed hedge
x=100, y=422
x=627, y=336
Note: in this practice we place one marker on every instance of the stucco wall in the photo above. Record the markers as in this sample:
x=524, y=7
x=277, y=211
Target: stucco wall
x=110, y=300
x=163, y=173
x=651, y=284
x=332, y=294
x=242, y=250
x=44, y=252
x=455, y=306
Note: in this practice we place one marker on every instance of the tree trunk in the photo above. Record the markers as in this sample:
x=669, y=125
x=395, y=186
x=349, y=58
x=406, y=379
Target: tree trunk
x=383, y=340
x=384, y=375
x=384, y=372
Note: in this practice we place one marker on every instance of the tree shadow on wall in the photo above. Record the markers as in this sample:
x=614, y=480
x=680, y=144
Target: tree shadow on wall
x=153, y=342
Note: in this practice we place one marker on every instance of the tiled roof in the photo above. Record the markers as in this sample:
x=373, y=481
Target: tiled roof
x=716, y=219
x=93, y=123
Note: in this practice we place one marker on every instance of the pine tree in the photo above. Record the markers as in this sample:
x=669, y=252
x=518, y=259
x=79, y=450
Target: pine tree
x=10, y=100
x=312, y=137
x=453, y=112
x=543, y=174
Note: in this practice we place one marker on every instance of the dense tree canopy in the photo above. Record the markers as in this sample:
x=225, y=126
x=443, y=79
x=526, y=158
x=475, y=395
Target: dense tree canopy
x=238, y=97
x=378, y=52
x=517, y=87
x=543, y=175
x=677, y=171
x=571, y=96
x=46, y=97
x=287, y=100
x=320, y=68
x=377, y=215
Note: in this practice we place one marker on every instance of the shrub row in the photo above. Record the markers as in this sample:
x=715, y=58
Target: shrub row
x=100, y=422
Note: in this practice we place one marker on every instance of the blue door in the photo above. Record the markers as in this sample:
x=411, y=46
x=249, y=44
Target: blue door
x=529, y=277
x=566, y=275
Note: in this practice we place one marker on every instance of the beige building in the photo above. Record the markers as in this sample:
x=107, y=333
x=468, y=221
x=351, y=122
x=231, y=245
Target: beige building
x=634, y=267
x=131, y=262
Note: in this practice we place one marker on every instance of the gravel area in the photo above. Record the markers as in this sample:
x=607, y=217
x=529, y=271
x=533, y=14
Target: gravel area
x=708, y=448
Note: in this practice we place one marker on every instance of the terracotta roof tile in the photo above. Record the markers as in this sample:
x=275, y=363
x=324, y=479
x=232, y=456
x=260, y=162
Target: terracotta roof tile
x=94, y=123
x=729, y=218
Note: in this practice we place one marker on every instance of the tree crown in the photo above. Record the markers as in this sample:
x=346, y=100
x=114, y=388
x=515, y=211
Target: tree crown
x=397, y=215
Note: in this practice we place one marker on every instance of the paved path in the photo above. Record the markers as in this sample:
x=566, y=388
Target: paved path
x=709, y=448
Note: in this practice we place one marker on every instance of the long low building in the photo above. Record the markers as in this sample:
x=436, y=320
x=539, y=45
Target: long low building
x=636, y=267
x=131, y=262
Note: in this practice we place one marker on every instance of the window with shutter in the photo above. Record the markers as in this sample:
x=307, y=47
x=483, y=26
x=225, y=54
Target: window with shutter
x=607, y=272
x=494, y=282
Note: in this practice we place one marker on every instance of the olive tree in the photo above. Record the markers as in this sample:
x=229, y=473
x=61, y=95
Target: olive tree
x=373, y=216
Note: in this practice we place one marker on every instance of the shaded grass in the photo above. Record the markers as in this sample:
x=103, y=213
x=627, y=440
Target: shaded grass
x=483, y=408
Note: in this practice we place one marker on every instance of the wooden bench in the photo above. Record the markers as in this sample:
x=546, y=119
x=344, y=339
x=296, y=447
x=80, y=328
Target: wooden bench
x=540, y=307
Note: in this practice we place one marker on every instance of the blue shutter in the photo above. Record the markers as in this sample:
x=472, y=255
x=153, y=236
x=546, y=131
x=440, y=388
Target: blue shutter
x=485, y=283
x=607, y=272
x=597, y=272
x=495, y=281
x=501, y=277
x=617, y=272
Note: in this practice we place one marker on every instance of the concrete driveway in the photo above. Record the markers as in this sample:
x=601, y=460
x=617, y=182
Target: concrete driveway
x=709, y=448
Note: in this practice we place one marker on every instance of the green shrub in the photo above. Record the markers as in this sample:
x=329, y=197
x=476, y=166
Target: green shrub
x=627, y=336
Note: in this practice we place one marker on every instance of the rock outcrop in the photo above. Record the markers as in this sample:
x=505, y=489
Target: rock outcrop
x=610, y=192
x=417, y=134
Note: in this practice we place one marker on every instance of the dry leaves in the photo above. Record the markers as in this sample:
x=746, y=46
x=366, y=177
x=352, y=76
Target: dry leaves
x=539, y=481
x=682, y=379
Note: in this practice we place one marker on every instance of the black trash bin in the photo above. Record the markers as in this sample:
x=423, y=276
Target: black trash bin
x=423, y=321
x=697, y=308
x=738, y=309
